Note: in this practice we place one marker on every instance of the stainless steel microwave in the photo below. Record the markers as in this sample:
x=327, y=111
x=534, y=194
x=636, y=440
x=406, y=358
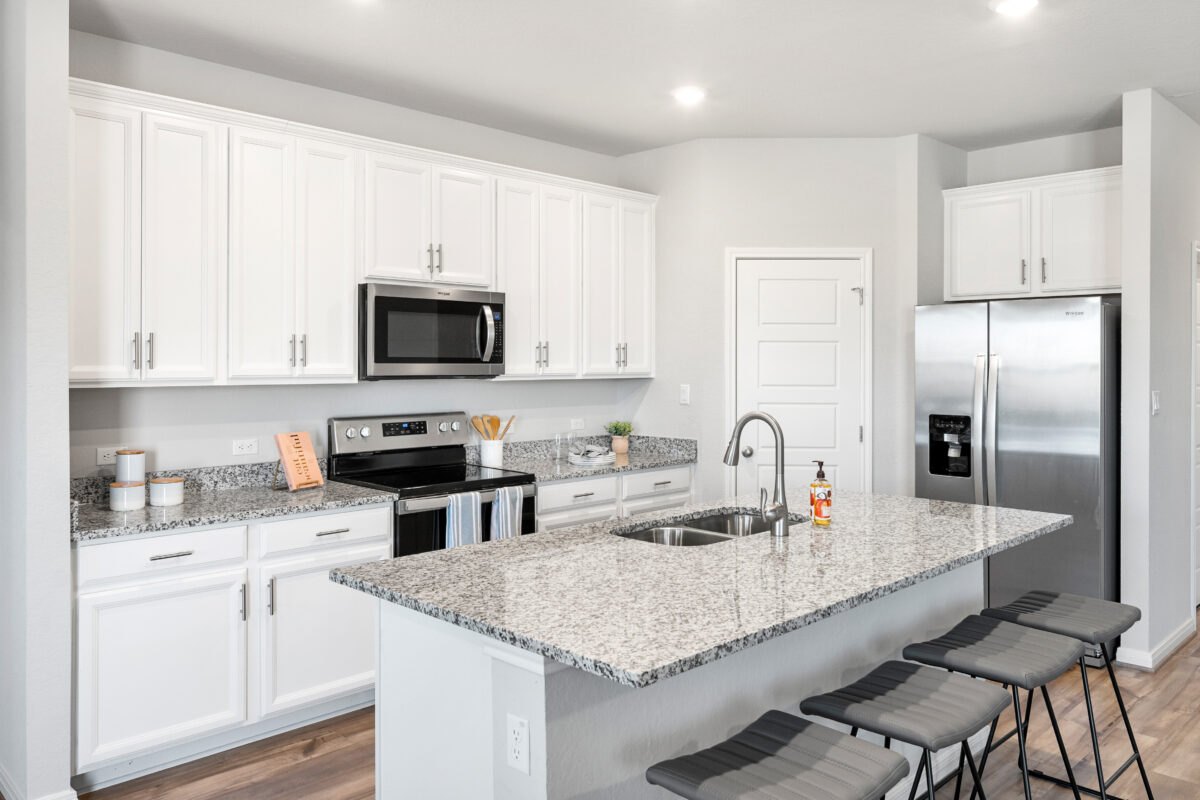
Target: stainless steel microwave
x=429, y=332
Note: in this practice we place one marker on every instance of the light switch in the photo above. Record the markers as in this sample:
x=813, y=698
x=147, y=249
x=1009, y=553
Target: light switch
x=685, y=394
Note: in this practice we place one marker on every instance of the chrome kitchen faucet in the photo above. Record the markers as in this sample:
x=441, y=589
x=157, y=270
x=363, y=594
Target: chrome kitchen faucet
x=777, y=512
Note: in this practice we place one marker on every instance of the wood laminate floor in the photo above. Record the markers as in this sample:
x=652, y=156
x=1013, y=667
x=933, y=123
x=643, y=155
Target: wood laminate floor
x=335, y=759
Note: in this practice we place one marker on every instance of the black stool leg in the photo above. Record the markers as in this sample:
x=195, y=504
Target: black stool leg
x=1021, y=742
x=975, y=773
x=1028, y=716
x=1112, y=676
x=1062, y=748
x=983, y=759
x=962, y=752
x=1087, y=696
x=917, y=778
x=929, y=774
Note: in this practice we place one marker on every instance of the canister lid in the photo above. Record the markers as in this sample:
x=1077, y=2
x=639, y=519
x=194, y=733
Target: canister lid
x=166, y=480
x=131, y=452
x=126, y=484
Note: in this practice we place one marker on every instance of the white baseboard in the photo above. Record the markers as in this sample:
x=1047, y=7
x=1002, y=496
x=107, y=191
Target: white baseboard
x=1151, y=660
x=8, y=788
x=68, y=794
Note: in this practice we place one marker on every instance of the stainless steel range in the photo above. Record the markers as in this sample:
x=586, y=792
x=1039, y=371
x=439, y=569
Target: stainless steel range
x=422, y=457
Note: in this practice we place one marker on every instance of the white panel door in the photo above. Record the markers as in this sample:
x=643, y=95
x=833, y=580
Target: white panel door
x=159, y=663
x=517, y=273
x=106, y=240
x=601, y=285
x=637, y=288
x=560, y=268
x=462, y=226
x=318, y=638
x=1080, y=239
x=262, y=208
x=326, y=289
x=800, y=358
x=988, y=245
x=180, y=250
x=397, y=218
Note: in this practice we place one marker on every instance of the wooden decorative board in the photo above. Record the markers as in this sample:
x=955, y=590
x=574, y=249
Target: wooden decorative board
x=299, y=460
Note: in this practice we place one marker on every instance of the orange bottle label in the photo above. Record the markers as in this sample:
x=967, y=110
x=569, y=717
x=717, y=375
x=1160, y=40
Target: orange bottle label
x=821, y=500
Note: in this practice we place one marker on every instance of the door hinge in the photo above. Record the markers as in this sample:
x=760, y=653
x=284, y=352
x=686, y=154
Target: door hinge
x=858, y=289
x=860, y=433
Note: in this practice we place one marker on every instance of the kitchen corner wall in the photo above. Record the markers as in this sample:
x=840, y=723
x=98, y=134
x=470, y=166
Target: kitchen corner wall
x=195, y=426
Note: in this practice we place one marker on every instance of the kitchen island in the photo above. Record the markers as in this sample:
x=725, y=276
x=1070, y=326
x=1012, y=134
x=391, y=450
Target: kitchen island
x=618, y=653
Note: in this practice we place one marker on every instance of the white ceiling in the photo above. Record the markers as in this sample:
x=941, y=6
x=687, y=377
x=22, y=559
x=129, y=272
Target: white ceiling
x=597, y=74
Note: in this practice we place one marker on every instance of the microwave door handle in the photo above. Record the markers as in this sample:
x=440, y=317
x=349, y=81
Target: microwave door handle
x=490, y=344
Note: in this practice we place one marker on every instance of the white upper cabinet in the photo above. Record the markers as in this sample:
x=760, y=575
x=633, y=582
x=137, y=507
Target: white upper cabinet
x=106, y=239
x=398, y=218
x=1060, y=234
x=618, y=287
x=463, y=244
x=559, y=222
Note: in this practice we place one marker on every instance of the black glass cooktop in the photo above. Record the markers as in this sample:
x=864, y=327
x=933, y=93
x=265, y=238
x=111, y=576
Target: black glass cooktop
x=442, y=479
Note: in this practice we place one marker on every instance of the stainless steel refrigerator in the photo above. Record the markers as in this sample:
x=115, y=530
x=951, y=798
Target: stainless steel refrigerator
x=1018, y=405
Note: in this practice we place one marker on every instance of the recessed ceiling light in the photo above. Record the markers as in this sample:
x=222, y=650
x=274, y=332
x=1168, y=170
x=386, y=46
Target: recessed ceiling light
x=1013, y=8
x=688, y=95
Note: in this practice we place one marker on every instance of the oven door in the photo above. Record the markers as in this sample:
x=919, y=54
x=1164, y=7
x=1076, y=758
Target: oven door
x=430, y=332
x=421, y=521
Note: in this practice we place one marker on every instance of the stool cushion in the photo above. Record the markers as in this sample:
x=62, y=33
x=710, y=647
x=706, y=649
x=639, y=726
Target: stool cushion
x=1000, y=651
x=1085, y=618
x=783, y=757
x=927, y=707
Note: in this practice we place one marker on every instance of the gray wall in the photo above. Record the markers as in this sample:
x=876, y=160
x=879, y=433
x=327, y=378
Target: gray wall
x=35, y=575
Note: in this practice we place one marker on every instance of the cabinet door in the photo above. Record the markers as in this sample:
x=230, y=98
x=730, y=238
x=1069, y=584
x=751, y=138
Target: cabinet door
x=560, y=269
x=318, y=637
x=159, y=663
x=1080, y=237
x=988, y=245
x=398, y=226
x=106, y=240
x=601, y=285
x=262, y=207
x=326, y=289
x=462, y=227
x=517, y=255
x=637, y=288
x=180, y=248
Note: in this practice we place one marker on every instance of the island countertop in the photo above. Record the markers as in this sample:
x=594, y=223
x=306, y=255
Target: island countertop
x=636, y=612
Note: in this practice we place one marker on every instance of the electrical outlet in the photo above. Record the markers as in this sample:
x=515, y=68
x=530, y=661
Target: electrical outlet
x=685, y=394
x=576, y=424
x=106, y=456
x=516, y=745
x=245, y=447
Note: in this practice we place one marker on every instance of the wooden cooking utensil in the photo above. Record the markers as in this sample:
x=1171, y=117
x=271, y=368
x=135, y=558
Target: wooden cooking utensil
x=509, y=425
x=478, y=425
x=493, y=425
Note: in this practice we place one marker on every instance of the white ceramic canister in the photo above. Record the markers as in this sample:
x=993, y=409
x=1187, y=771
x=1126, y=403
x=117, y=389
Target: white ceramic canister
x=127, y=495
x=131, y=466
x=166, y=491
x=491, y=453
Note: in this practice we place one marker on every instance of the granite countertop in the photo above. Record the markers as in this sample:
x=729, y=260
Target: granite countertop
x=636, y=612
x=547, y=469
x=213, y=507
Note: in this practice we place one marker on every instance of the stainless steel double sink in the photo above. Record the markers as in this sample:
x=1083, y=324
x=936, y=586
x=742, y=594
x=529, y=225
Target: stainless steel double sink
x=704, y=530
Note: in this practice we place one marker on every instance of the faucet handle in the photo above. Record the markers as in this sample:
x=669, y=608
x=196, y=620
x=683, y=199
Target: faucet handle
x=762, y=503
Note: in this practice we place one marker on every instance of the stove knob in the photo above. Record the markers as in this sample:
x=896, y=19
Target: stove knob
x=364, y=431
x=455, y=426
x=351, y=433
x=444, y=426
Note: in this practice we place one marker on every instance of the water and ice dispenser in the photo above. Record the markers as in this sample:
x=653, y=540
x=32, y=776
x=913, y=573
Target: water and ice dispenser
x=950, y=445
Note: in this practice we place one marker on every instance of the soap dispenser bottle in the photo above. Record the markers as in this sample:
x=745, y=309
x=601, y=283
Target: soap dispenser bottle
x=820, y=497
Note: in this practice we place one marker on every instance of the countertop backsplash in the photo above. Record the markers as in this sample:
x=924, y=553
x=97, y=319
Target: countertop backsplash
x=94, y=488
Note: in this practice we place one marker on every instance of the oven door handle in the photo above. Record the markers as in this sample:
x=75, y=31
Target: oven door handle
x=441, y=501
x=490, y=345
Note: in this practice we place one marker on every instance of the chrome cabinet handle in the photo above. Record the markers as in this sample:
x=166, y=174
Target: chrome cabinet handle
x=585, y=494
x=439, y=258
x=137, y=350
x=1024, y=271
x=180, y=554
x=429, y=251
x=546, y=355
x=1043, y=270
x=537, y=358
x=150, y=351
x=334, y=531
x=618, y=355
x=304, y=350
x=661, y=483
x=242, y=602
x=747, y=451
x=271, y=597
x=292, y=345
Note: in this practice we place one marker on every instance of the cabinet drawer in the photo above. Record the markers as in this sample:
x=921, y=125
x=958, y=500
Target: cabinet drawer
x=565, y=519
x=570, y=494
x=324, y=529
x=140, y=558
x=655, y=503
x=659, y=481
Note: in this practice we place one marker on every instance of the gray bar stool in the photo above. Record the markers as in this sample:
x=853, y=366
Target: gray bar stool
x=1093, y=621
x=1010, y=654
x=923, y=706
x=783, y=757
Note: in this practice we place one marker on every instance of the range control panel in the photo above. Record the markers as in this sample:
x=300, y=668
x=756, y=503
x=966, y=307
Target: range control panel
x=407, y=432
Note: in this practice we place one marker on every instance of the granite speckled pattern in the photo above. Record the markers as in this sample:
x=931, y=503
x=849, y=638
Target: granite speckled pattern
x=637, y=613
x=94, y=488
x=645, y=452
x=97, y=522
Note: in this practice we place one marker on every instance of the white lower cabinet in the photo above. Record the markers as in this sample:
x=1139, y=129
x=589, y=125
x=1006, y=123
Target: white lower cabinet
x=318, y=638
x=159, y=662
x=562, y=504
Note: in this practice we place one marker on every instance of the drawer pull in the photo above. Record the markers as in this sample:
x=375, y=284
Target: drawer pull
x=334, y=531
x=661, y=483
x=180, y=554
x=585, y=494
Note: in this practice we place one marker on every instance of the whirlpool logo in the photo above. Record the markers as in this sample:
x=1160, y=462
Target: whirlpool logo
x=1073, y=313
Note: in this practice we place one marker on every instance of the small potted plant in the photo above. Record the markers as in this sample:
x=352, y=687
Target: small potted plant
x=619, y=431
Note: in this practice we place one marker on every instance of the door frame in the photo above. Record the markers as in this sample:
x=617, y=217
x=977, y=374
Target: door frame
x=1195, y=493
x=866, y=256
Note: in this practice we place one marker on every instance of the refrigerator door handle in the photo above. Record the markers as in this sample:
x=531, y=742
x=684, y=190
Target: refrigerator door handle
x=993, y=375
x=977, y=415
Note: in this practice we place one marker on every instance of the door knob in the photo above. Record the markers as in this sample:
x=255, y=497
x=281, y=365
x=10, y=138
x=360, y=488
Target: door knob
x=747, y=451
